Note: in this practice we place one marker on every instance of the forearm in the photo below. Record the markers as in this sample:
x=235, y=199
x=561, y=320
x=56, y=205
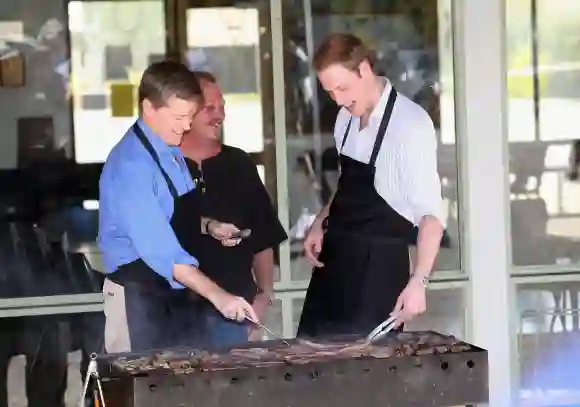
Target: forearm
x=428, y=244
x=192, y=278
x=263, y=268
x=325, y=210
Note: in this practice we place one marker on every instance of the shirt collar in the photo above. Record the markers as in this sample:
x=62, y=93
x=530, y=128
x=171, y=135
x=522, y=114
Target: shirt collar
x=159, y=145
x=377, y=113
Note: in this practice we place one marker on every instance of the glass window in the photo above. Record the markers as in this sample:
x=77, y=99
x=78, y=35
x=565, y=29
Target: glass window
x=548, y=338
x=34, y=105
x=64, y=66
x=413, y=45
x=543, y=56
x=273, y=319
x=445, y=312
x=112, y=42
x=220, y=39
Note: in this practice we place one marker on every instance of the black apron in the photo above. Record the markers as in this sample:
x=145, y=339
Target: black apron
x=365, y=252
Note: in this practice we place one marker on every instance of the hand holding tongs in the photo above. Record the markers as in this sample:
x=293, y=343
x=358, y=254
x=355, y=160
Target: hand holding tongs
x=249, y=318
x=380, y=331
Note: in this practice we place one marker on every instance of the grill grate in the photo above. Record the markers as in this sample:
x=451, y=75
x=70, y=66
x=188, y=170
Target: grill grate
x=404, y=369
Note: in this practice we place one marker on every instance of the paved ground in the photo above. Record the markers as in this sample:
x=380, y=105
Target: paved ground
x=16, y=390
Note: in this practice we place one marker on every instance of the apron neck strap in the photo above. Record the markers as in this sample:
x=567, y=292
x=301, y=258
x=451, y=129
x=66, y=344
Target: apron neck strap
x=381, y=132
x=346, y=133
x=147, y=144
x=383, y=126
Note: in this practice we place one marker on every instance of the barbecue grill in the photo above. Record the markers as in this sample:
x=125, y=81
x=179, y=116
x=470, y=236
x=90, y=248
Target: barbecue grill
x=403, y=369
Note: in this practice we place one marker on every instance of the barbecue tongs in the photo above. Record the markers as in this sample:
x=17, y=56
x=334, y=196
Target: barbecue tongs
x=265, y=328
x=380, y=331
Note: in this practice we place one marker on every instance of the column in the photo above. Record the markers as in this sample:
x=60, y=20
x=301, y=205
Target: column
x=482, y=138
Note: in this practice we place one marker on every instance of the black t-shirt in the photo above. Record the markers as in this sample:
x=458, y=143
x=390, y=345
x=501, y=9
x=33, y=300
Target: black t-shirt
x=233, y=192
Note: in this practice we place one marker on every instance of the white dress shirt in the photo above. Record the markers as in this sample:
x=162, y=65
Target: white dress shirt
x=406, y=174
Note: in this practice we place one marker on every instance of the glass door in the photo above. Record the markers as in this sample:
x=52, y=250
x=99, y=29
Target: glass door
x=232, y=40
x=68, y=75
x=112, y=42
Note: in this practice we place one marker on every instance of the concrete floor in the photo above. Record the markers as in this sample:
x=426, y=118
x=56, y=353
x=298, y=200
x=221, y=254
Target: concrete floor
x=16, y=389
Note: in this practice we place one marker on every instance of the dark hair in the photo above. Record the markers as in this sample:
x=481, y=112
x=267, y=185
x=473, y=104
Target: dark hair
x=164, y=79
x=345, y=49
x=205, y=76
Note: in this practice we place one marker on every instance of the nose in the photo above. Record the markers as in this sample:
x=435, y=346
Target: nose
x=187, y=125
x=220, y=114
x=341, y=99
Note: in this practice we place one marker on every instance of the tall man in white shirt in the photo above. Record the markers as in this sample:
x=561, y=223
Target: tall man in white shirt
x=388, y=186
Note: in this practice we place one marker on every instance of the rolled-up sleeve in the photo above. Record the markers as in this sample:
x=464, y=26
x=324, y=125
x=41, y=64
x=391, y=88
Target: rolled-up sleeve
x=146, y=224
x=421, y=171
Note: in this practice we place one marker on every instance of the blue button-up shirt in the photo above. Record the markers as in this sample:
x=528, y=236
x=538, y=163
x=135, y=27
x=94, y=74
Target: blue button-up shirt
x=136, y=206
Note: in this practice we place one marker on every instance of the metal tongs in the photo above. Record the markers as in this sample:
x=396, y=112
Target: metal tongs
x=380, y=331
x=253, y=321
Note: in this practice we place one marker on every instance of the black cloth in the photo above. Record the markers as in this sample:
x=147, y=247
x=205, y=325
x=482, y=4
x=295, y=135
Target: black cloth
x=161, y=320
x=152, y=305
x=233, y=192
x=365, y=253
x=42, y=339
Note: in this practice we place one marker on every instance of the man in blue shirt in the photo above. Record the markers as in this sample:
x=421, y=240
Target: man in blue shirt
x=149, y=210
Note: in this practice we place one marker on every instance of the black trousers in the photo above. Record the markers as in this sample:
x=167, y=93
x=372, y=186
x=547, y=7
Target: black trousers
x=42, y=339
x=45, y=341
x=159, y=320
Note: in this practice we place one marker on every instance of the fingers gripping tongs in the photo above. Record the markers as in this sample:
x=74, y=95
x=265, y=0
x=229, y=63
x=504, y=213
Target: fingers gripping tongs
x=380, y=331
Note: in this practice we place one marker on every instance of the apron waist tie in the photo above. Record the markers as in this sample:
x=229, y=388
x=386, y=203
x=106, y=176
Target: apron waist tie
x=376, y=239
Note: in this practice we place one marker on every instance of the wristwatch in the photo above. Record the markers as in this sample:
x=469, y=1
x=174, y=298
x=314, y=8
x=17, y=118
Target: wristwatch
x=206, y=228
x=423, y=280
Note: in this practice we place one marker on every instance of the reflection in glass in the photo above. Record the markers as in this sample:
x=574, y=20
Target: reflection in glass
x=543, y=57
x=297, y=304
x=221, y=40
x=233, y=42
x=273, y=319
x=42, y=190
x=413, y=48
x=34, y=105
x=112, y=42
x=549, y=342
x=445, y=313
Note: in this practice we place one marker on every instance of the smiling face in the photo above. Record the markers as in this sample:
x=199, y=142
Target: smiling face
x=207, y=124
x=170, y=120
x=169, y=97
x=349, y=88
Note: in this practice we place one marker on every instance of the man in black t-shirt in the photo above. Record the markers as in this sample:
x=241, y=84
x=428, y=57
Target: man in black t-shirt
x=233, y=192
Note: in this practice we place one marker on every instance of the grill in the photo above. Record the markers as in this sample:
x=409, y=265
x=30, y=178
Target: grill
x=403, y=369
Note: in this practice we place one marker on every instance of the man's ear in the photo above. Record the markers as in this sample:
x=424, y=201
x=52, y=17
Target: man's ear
x=147, y=107
x=365, y=68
